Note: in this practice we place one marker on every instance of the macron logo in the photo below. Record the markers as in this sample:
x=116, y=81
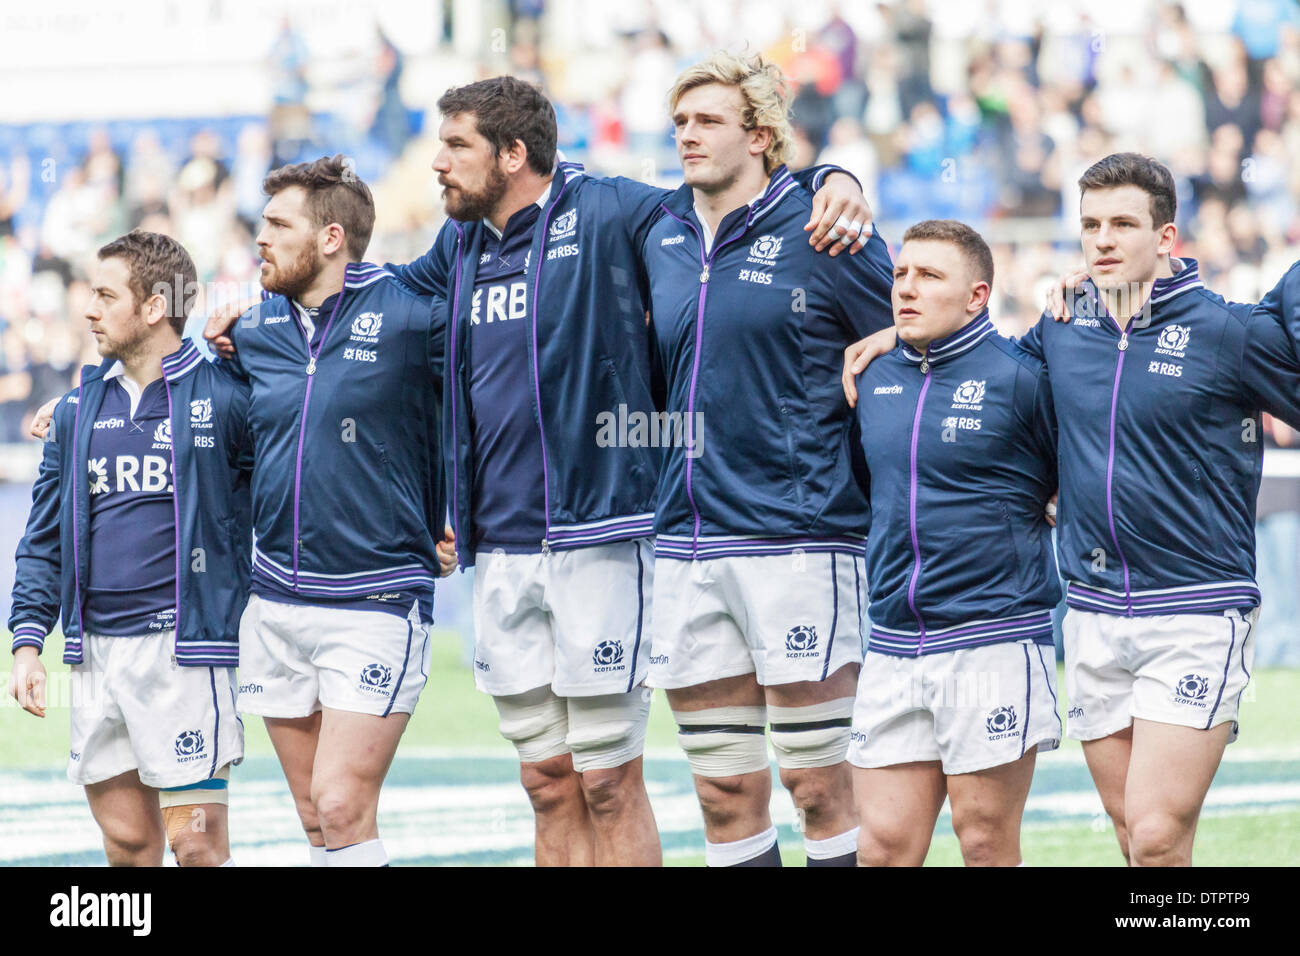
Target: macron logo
x=888, y=390
x=132, y=910
x=672, y=240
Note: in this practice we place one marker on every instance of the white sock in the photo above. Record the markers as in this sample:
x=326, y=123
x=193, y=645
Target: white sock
x=838, y=845
x=230, y=861
x=317, y=855
x=738, y=851
x=370, y=853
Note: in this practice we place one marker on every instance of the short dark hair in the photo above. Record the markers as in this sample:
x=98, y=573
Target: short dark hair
x=506, y=109
x=157, y=265
x=334, y=194
x=970, y=242
x=1134, y=169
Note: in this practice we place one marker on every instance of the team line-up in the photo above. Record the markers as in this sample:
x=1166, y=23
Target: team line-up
x=858, y=459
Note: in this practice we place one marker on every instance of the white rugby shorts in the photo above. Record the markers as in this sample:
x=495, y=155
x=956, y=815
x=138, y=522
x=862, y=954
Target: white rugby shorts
x=1185, y=669
x=295, y=659
x=577, y=621
x=784, y=618
x=135, y=708
x=971, y=709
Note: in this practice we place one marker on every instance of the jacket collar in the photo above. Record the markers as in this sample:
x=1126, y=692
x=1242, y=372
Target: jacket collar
x=358, y=275
x=779, y=184
x=1185, y=280
x=963, y=340
x=183, y=361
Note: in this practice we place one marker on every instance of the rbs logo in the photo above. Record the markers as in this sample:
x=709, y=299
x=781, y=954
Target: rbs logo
x=503, y=303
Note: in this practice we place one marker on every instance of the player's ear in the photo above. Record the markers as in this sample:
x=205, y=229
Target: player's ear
x=979, y=297
x=332, y=238
x=760, y=138
x=516, y=157
x=1168, y=238
x=155, y=309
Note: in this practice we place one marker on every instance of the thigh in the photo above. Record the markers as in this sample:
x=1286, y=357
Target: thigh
x=355, y=750
x=741, y=690
x=843, y=683
x=898, y=807
x=295, y=741
x=126, y=810
x=1171, y=768
x=800, y=613
x=1108, y=763
x=514, y=645
x=599, y=599
x=993, y=797
x=697, y=641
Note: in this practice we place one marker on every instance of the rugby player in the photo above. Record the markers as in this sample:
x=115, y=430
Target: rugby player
x=958, y=686
x=345, y=368
x=1158, y=384
x=758, y=591
x=139, y=537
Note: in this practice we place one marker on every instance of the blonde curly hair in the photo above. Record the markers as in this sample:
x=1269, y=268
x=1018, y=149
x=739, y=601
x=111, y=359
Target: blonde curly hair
x=763, y=89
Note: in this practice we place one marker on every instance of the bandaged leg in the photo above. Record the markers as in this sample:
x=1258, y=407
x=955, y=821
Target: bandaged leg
x=806, y=739
x=194, y=817
x=816, y=735
x=536, y=722
x=723, y=741
x=607, y=731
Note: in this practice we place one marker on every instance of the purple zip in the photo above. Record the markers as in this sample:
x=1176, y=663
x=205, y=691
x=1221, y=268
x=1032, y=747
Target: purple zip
x=537, y=374
x=176, y=512
x=916, y=547
x=706, y=266
x=1110, y=470
x=76, y=499
x=302, y=425
x=455, y=381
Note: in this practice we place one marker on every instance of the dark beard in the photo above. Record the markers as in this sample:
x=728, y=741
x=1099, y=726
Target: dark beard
x=295, y=279
x=465, y=206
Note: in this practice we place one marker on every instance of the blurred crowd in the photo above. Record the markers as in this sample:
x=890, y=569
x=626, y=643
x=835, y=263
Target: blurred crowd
x=983, y=110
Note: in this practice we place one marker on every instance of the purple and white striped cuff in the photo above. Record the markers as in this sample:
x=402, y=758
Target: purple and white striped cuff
x=29, y=634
